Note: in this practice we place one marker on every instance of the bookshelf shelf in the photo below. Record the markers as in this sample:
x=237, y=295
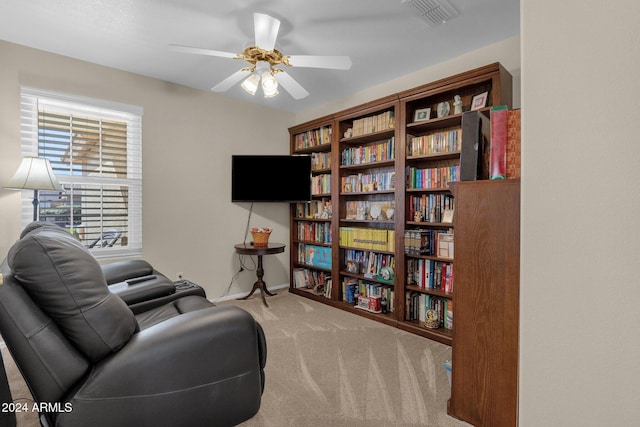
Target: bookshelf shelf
x=435, y=123
x=429, y=224
x=312, y=219
x=315, y=149
x=428, y=155
x=320, y=171
x=370, y=137
x=311, y=242
x=435, y=156
x=366, y=193
x=441, y=335
x=365, y=221
x=435, y=292
x=428, y=190
x=369, y=165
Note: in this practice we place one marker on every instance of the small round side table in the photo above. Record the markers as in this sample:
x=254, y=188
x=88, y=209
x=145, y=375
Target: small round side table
x=248, y=249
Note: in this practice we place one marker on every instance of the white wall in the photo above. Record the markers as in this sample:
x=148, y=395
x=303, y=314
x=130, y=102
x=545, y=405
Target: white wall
x=189, y=223
x=507, y=52
x=580, y=289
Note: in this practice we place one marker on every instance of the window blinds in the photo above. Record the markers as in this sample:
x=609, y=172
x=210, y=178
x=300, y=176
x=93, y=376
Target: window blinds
x=95, y=150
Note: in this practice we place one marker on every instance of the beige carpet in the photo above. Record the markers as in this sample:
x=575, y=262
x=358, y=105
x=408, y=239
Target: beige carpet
x=327, y=367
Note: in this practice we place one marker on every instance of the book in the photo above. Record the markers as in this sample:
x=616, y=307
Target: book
x=299, y=278
x=448, y=320
x=349, y=290
x=445, y=245
x=316, y=256
x=513, y=144
x=469, y=154
x=498, y=156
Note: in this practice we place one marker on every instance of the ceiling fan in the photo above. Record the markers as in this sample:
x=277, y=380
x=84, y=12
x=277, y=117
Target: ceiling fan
x=264, y=58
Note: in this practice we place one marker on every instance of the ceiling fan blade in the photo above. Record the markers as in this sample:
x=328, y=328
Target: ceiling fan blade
x=313, y=61
x=266, y=28
x=227, y=83
x=290, y=85
x=200, y=51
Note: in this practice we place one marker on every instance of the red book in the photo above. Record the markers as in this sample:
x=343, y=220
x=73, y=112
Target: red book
x=498, y=157
x=513, y=144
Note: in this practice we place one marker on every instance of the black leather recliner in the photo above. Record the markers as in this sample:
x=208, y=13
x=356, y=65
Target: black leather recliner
x=89, y=361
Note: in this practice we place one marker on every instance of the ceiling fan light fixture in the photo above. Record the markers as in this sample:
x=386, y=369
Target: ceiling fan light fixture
x=271, y=94
x=250, y=84
x=269, y=85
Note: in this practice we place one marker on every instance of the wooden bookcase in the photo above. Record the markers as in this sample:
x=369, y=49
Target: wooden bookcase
x=376, y=152
x=484, y=388
x=361, y=180
x=367, y=149
x=313, y=225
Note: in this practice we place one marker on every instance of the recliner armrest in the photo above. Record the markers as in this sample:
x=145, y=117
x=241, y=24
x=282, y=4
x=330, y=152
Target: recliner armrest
x=143, y=288
x=122, y=270
x=194, y=359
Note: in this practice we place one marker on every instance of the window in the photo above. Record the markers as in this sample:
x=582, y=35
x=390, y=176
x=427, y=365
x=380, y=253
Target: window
x=95, y=150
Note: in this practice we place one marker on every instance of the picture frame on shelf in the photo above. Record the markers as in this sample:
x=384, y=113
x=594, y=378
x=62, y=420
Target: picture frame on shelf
x=422, y=115
x=443, y=109
x=479, y=101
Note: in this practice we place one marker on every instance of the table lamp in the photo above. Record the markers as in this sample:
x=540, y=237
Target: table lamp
x=34, y=174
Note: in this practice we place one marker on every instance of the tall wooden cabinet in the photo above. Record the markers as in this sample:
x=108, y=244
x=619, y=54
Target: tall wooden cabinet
x=484, y=388
x=384, y=174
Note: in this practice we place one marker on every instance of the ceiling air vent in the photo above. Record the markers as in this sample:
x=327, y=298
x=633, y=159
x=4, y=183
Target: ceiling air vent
x=433, y=12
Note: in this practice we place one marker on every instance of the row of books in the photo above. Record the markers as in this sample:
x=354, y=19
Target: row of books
x=320, y=161
x=418, y=178
x=318, y=232
x=431, y=207
x=318, y=209
x=382, y=180
x=352, y=289
x=375, y=239
x=313, y=138
x=369, y=210
x=318, y=281
x=430, y=274
x=369, y=153
x=321, y=184
x=418, y=304
x=370, y=124
x=429, y=242
x=366, y=262
x=314, y=256
x=441, y=142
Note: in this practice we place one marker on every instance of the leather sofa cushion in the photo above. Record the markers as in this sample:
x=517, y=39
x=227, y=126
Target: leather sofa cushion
x=67, y=283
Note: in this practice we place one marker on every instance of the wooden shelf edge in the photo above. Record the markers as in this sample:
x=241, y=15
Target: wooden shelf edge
x=309, y=293
x=441, y=335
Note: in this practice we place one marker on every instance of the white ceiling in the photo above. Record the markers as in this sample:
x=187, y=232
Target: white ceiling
x=384, y=38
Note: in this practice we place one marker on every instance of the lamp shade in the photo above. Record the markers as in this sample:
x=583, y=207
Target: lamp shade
x=250, y=85
x=34, y=173
x=269, y=85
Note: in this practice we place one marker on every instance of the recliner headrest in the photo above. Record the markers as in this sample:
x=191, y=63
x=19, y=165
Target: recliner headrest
x=67, y=283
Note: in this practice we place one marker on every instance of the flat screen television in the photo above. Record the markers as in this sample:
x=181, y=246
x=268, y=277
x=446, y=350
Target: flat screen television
x=270, y=178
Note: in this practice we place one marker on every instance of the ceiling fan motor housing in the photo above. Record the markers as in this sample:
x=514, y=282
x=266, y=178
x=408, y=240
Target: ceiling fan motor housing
x=255, y=54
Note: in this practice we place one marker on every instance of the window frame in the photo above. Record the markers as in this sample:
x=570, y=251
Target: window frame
x=31, y=99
